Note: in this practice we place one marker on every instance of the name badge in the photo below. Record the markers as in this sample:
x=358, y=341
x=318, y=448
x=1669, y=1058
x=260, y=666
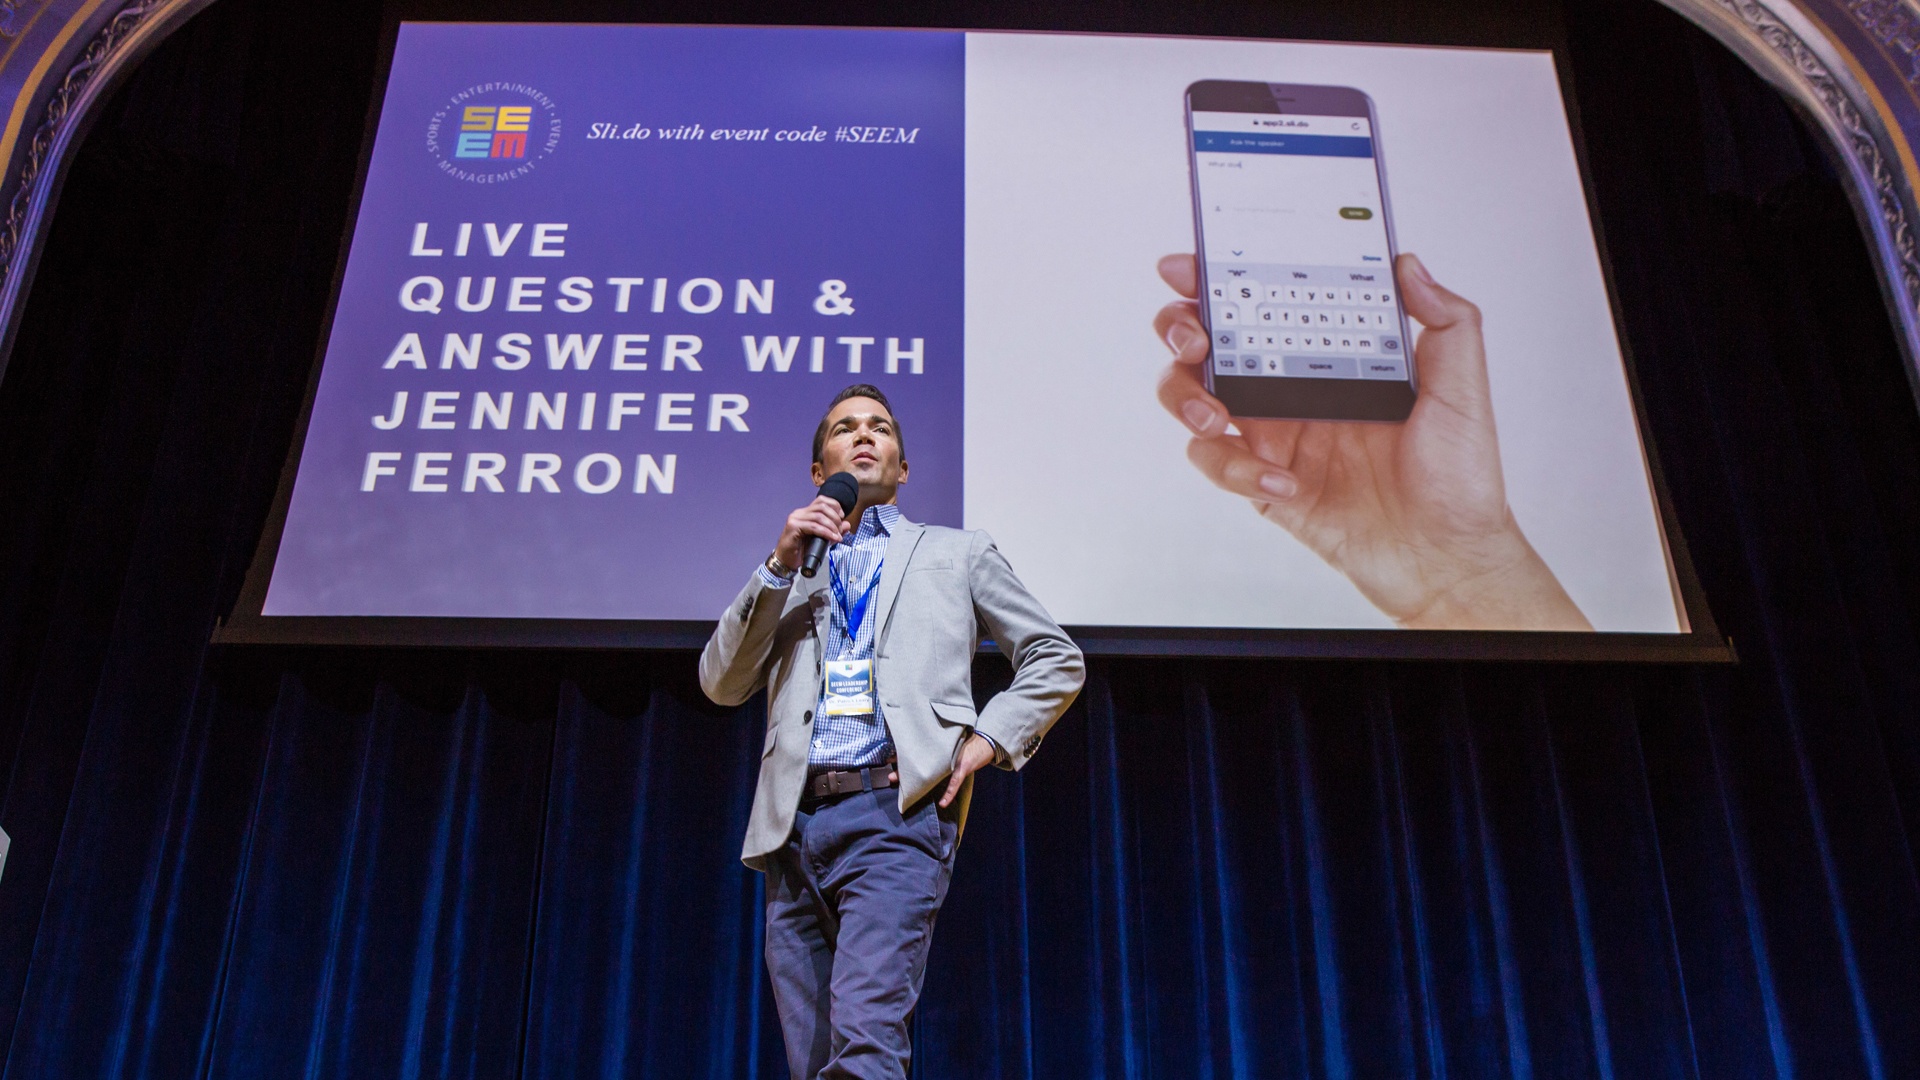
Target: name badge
x=849, y=688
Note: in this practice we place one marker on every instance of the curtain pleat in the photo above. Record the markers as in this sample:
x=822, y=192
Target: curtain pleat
x=382, y=928
x=646, y=948
x=1250, y=871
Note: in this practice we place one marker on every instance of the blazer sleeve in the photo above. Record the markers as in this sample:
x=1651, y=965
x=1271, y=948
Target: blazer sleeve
x=1048, y=669
x=733, y=666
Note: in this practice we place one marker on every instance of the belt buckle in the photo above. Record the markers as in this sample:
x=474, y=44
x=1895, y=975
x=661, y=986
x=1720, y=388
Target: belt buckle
x=829, y=784
x=837, y=782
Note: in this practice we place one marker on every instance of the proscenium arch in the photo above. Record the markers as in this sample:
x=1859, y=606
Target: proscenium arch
x=1788, y=48
x=96, y=44
x=101, y=42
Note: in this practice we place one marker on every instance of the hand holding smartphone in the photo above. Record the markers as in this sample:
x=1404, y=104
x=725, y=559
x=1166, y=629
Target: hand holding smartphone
x=1301, y=395
x=1296, y=251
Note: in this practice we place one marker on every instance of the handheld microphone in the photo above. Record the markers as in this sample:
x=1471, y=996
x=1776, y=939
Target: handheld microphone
x=843, y=488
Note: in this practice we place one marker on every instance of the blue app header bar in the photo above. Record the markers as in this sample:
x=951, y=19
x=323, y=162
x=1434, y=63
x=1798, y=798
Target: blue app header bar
x=1241, y=142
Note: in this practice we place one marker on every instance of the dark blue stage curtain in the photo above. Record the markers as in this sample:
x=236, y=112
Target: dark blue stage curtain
x=355, y=863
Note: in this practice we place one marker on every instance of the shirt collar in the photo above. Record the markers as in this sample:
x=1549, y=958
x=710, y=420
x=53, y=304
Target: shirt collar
x=878, y=520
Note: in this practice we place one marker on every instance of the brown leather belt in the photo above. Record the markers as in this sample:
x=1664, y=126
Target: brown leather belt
x=825, y=785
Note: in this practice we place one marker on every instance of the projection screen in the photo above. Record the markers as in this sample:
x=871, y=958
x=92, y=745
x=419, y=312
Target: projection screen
x=604, y=279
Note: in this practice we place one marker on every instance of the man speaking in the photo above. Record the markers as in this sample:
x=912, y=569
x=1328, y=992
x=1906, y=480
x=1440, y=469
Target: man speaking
x=872, y=737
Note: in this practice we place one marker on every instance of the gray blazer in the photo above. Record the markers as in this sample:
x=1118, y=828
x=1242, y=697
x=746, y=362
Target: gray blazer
x=938, y=588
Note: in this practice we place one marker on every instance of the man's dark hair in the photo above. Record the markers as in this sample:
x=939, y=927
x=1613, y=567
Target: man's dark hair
x=865, y=390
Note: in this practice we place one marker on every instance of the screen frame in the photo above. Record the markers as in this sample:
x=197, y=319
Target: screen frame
x=1701, y=641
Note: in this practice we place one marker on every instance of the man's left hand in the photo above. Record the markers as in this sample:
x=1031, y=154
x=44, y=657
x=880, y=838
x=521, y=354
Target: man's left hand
x=975, y=754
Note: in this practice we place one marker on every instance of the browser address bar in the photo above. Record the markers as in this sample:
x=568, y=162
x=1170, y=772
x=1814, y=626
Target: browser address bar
x=1277, y=124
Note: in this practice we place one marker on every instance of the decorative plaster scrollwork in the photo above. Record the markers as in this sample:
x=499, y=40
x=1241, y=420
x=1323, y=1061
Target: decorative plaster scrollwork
x=59, y=110
x=1895, y=25
x=9, y=19
x=113, y=50
x=1786, y=50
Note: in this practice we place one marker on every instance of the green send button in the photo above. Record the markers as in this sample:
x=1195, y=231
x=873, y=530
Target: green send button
x=1355, y=213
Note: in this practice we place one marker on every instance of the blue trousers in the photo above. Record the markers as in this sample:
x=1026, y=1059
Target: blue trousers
x=851, y=901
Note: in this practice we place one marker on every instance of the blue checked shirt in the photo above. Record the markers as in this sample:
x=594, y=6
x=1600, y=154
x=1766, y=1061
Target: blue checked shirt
x=850, y=742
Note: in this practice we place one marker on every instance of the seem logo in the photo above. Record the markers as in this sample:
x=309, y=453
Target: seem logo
x=493, y=132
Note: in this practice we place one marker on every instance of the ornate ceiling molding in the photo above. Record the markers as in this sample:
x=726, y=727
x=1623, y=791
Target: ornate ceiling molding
x=58, y=60
x=1852, y=67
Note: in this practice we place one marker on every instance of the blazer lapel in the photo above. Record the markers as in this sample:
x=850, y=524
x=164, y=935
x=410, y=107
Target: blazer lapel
x=899, y=550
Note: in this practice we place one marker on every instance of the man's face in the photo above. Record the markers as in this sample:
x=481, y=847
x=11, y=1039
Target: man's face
x=861, y=440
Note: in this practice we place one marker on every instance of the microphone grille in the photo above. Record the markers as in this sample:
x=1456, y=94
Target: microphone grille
x=842, y=488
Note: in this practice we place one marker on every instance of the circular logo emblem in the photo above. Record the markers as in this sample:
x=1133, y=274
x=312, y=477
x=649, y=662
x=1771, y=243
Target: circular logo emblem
x=493, y=132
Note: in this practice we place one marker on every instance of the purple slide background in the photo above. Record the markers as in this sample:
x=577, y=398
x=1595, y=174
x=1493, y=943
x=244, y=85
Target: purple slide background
x=884, y=218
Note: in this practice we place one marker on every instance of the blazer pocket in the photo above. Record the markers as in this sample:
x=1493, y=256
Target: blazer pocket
x=937, y=564
x=957, y=715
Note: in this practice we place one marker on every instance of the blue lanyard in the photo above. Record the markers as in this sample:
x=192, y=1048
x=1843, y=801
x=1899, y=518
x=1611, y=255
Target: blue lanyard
x=856, y=612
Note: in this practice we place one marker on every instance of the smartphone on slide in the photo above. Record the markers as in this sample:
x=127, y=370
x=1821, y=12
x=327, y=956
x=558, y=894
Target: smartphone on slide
x=1295, y=246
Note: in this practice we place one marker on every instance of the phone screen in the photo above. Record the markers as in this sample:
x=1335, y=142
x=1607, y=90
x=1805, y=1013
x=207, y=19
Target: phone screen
x=1297, y=254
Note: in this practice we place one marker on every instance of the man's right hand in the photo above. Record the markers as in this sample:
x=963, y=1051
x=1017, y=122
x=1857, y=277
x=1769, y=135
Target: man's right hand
x=822, y=517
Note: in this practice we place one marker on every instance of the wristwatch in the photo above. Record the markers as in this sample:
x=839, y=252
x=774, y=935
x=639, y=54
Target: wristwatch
x=777, y=568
